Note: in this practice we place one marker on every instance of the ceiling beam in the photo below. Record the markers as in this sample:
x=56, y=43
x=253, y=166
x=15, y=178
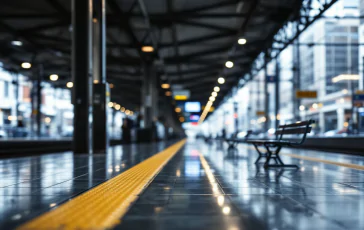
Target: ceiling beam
x=173, y=31
x=205, y=25
x=196, y=70
x=197, y=54
x=124, y=22
x=211, y=6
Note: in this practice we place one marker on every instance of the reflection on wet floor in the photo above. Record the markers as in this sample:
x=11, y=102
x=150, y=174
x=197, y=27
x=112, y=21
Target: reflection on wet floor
x=30, y=186
x=202, y=187
x=205, y=187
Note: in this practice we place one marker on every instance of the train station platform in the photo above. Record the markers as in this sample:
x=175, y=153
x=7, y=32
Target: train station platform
x=185, y=184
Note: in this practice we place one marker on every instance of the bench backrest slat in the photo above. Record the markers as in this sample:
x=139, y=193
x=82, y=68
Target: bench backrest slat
x=297, y=124
x=301, y=127
x=300, y=130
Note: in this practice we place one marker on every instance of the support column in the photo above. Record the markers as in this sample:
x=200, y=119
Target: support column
x=150, y=102
x=149, y=94
x=39, y=101
x=100, y=88
x=277, y=91
x=82, y=75
x=340, y=118
x=296, y=82
x=236, y=117
x=266, y=97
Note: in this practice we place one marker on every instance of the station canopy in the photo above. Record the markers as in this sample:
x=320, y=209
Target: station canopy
x=192, y=41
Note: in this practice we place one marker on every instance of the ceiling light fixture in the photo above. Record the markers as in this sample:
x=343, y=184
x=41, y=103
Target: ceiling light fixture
x=147, y=49
x=216, y=88
x=69, y=84
x=53, y=77
x=229, y=64
x=17, y=43
x=242, y=41
x=26, y=65
x=221, y=80
x=165, y=86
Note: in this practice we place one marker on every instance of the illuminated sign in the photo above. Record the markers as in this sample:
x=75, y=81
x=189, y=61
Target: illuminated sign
x=180, y=97
x=194, y=118
x=193, y=107
x=306, y=94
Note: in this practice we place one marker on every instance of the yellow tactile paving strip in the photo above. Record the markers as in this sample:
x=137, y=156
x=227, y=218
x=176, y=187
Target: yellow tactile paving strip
x=103, y=206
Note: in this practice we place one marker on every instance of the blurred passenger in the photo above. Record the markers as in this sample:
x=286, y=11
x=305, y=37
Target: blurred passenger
x=223, y=133
x=126, y=131
x=155, y=129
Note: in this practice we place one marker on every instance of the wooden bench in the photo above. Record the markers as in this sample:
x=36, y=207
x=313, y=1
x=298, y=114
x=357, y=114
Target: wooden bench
x=273, y=147
x=234, y=141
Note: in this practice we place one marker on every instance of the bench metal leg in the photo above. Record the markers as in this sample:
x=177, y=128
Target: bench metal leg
x=276, y=157
x=261, y=155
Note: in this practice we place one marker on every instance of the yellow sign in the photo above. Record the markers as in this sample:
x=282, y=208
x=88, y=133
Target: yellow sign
x=180, y=97
x=260, y=113
x=306, y=94
x=359, y=92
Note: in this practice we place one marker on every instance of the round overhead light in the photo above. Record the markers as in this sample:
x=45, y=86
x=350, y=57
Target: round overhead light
x=69, y=84
x=17, y=43
x=127, y=112
x=165, y=86
x=147, y=49
x=110, y=104
x=302, y=107
x=214, y=94
x=178, y=110
x=26, y=65
x=216, y=88
x=168, y=93
x=53, y=77
x=96, y=81
x=117, y=106
x=242, y=41
x=221, y=80
x=47, y=120
x=212, y=98
x=111, y=85
x=122, y=109
x=229, y=64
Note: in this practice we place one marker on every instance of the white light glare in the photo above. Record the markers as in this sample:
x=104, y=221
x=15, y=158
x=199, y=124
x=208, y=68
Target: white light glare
x=221, y=80
x=229, y=64
x=242, y=41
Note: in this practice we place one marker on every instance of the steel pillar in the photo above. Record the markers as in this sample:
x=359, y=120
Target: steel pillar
x=100, y=88
x=266, y=98
x=39, y=101
x=82, y=75
x=277, y=91
x=296, y=82
x=149, y=94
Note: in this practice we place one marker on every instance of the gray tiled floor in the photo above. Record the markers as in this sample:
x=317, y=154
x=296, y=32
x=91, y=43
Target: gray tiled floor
x=317, y=196
x=232, y=193
x=30, y=186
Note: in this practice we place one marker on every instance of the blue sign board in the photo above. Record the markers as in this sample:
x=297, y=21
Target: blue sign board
x=358, y=97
